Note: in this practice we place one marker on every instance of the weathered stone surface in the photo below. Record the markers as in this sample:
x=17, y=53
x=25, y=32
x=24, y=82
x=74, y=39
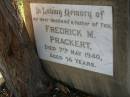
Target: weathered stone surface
x=90, y=82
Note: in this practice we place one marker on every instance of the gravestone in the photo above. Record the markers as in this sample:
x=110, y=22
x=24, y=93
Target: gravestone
x=83, y=43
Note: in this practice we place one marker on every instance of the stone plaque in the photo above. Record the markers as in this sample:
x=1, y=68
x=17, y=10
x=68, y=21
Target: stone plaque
x=80, y=36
